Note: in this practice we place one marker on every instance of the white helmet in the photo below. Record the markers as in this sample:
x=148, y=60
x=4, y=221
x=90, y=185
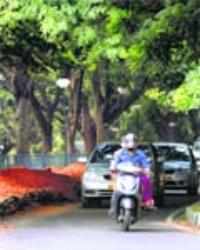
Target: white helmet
x=128, y=141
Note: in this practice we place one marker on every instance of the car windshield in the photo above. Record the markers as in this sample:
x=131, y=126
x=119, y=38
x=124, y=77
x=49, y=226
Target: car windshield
x=146, y=150
x=168, y=153
x=197, y=146
x=104, y=154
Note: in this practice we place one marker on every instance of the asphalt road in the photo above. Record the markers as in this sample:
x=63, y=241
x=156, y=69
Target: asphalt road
x=68, y=227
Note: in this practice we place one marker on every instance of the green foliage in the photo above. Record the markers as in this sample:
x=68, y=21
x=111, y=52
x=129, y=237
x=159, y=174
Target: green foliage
x=187, y=96
x=136, y=120
x=115, y=19
x=184, y=98
x=129, y=38
x=6, y=97
x=158, y=95
x=7, y=116
x=152, y=29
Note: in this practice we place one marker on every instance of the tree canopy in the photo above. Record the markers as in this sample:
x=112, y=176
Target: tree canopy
x=116, y=53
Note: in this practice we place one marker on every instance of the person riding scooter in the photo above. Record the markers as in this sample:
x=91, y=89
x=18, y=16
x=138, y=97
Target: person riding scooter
x=130, y=154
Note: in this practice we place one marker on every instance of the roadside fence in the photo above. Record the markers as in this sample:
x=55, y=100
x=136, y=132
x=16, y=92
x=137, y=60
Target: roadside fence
x=37, y=161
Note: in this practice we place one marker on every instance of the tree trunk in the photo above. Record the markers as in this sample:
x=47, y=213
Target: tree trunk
x=74, y=109
x=23, y=131
x=47, y=140
x=166, y=125
x=99, y=114
x=122, y=102
x=44, y=124
x=22, y=88
x=195, y=122
x=88, y=128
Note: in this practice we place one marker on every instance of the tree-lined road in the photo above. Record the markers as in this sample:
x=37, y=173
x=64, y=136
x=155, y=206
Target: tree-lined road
x=70, y=227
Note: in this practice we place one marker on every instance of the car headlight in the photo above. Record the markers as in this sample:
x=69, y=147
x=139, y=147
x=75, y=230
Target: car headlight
x=90, y=177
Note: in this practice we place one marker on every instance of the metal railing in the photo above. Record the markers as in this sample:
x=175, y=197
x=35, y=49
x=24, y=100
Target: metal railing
x=37, y=161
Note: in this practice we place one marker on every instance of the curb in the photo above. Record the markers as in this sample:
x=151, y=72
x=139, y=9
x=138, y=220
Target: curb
x=172, y=217
x=172, y=221
x=192, y=216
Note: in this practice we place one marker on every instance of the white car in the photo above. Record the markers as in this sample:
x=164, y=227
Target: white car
x=96, y=181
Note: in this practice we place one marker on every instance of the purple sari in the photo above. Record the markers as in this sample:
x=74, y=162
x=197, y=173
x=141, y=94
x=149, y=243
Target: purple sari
x=147, y=189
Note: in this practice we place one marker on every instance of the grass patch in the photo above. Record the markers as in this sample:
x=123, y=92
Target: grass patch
x=196, y=207
x=182, y=217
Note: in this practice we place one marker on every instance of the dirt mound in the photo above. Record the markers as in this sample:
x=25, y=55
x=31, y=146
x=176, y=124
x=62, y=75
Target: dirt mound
x=74, y=170
x=19, y=181
x=21, y=187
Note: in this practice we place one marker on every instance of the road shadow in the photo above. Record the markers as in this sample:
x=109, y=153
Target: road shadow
x=176, y=201
x=171, y=201
x=151, y=230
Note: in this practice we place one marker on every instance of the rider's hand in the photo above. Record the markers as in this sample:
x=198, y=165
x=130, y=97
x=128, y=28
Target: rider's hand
x=147, y=172
x=113, y=174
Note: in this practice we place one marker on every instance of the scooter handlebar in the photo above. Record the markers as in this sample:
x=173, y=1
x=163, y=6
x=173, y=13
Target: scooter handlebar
x=129, y=168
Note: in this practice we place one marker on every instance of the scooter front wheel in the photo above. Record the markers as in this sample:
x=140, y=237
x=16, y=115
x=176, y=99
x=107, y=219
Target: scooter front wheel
x=126, y=222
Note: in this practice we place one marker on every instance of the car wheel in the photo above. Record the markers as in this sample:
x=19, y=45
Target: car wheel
x=193, y=191
x=85, y=202
x=159, y=199
x=193, y=185
x=78, y=191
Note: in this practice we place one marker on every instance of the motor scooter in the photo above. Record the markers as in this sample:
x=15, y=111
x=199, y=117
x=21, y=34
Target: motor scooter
x=129, y=195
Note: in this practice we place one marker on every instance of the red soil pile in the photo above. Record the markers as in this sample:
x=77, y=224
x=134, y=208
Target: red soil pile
x=74, y=170
x=20, y=181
